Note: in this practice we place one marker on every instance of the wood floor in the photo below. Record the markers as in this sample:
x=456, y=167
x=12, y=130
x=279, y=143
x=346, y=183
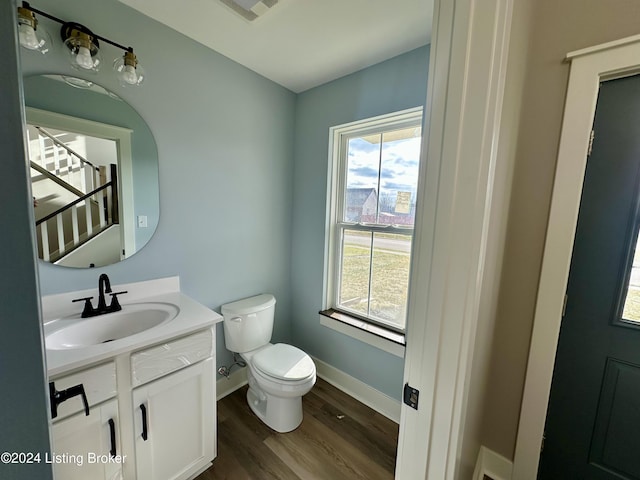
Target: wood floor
x=339, y=439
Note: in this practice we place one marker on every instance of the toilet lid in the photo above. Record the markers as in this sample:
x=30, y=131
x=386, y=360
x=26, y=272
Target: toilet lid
x=284, y=362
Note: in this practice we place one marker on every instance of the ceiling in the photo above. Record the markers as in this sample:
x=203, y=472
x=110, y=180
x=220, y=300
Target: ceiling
x=301, y=43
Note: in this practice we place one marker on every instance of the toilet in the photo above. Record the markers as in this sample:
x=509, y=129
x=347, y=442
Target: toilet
x=279, y=375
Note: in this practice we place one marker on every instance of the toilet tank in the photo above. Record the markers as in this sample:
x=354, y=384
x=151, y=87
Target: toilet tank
x=248, y=323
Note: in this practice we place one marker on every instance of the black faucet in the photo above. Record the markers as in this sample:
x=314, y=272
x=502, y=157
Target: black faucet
x=104, y=286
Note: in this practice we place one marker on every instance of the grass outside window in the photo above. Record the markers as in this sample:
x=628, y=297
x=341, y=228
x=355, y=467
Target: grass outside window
x=375, y=275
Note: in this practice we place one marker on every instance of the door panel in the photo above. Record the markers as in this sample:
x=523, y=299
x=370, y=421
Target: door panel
x=82, y=445
x=616, y=436
x=178, y=421
x=593, y=420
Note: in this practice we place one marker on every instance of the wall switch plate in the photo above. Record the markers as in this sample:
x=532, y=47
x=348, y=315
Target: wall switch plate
x=142, y=221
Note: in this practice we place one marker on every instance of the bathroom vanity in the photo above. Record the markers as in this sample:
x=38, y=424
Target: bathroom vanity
x=132, y=392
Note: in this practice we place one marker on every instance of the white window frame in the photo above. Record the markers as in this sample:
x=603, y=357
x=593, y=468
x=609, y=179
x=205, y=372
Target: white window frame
x=369, y=331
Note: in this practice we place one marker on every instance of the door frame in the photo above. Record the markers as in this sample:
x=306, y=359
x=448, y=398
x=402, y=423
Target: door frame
x=589, y=67
x=460, y=202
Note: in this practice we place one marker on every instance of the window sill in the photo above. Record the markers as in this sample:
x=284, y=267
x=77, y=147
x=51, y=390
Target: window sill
x=378, y=337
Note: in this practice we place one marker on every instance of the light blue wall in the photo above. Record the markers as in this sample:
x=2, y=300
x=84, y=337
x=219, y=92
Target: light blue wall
x=396, y=84
x=224, y=137
x=23, y=404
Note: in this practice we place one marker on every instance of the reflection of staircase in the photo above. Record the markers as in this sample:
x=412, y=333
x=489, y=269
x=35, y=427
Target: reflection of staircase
x=76, y=200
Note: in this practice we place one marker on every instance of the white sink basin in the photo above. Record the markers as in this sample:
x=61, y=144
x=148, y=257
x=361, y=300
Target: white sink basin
x=132, y=319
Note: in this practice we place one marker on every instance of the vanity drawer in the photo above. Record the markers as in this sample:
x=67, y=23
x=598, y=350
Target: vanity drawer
x=99, y=385
x=159, y=360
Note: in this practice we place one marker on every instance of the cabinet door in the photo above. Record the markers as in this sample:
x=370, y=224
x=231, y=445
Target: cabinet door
x=83, y=445
x=175, y=423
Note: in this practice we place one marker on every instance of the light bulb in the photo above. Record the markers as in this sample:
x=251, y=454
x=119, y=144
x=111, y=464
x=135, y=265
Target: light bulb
x=83, y=47
x=83, y=58
x=28, y=38
x=129, y=71
x=129, y=75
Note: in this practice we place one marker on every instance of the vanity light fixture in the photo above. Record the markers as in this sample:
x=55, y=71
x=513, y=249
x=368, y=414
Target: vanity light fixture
x=83, y=46
x=129, y=71
x=30, y=36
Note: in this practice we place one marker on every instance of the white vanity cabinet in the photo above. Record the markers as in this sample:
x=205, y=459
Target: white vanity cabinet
x=152, y=414
x=87, y=446
x=174, y=423
x=174, y=407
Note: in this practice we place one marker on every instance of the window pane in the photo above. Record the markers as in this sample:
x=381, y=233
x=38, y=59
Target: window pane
x=382, y=177
x=363, y=166
x=400, y=157
x=390, y=278
x=631, y=311
x=355, y=271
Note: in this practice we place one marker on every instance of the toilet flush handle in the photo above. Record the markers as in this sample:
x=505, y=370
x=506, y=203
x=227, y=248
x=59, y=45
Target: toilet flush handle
x=236, y=319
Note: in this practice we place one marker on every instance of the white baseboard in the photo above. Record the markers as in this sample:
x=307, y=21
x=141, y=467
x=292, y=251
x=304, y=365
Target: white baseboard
x=372, y=398
x=492, y=465
x=381, y=403
x=225, y=386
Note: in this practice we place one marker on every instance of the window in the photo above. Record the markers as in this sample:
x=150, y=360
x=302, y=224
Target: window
x=631, y=305
x=375, y=167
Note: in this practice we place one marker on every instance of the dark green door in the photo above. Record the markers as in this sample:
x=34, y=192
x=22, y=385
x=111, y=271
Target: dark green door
x=593, y=422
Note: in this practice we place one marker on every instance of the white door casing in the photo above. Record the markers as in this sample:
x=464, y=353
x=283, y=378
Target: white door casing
x=589, y=67
x=464, y=106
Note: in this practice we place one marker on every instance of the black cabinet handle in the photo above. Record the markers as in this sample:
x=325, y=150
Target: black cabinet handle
x=145, y=432
x=57, y=397
x=112, y=437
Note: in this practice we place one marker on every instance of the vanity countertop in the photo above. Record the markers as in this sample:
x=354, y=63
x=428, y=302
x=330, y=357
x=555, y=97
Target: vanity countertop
x=59, y=312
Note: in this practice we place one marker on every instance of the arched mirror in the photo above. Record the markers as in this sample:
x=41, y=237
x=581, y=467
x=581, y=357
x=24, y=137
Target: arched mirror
x=94, y=172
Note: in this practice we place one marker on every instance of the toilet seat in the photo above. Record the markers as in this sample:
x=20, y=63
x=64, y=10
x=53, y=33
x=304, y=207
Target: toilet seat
x=283, y=362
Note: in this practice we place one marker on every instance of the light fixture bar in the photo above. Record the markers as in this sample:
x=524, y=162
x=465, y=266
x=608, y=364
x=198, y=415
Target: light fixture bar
x=62, y=22
x=83, y=46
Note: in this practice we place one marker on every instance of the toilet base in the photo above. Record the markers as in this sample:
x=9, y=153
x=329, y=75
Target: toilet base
x=281, y=414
